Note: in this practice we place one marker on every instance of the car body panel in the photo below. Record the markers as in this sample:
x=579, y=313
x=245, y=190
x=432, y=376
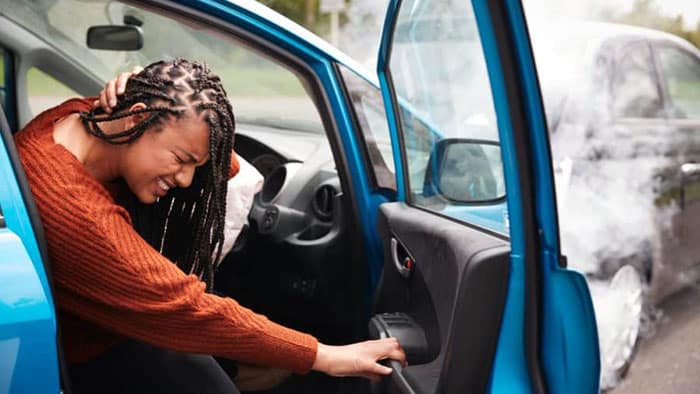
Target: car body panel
x=27, y=318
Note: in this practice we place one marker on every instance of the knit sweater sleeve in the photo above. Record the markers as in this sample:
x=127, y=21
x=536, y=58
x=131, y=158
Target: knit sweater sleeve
x=109, y=275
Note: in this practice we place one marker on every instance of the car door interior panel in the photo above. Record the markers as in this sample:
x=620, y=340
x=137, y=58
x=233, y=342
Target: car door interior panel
x=454, y=296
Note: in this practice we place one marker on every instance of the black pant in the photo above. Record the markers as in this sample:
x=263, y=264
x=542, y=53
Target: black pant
x=134, y=367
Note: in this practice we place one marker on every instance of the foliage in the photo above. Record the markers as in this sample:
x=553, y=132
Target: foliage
x=303, y=12
x=646, y=13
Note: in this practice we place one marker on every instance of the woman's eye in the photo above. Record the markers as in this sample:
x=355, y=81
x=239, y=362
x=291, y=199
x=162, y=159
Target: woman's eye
x=179, y=160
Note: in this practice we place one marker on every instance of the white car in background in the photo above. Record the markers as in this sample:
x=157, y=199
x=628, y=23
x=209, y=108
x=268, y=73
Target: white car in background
x=623, y=107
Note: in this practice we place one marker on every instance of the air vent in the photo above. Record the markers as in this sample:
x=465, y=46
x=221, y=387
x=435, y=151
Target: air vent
x=323, y=201
x=273, y=184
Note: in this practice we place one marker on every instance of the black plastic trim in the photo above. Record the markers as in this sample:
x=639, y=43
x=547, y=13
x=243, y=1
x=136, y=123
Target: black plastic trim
x=10, y=90
x=519, y=121
x=466, y=373
x=369, y=170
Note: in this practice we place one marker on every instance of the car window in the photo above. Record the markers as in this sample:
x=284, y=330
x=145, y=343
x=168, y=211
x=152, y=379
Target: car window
x=448, y=120
x=682, y=72
x=262, y=91
x=45, y=91
x=635, y=88
x=366, y=100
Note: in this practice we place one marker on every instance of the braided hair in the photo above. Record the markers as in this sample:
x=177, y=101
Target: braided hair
x=187, y=225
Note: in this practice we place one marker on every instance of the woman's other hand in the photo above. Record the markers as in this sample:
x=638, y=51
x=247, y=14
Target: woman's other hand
x=359, y=359
x=114, y=88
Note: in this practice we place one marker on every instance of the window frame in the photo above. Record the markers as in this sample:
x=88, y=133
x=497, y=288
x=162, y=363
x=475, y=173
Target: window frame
x=9, y=86
x=367, y=163
x=622, y=49
x=669, y=105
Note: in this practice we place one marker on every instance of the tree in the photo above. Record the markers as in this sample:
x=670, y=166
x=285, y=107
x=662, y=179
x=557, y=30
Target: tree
x=303, y=12
x=646, y=13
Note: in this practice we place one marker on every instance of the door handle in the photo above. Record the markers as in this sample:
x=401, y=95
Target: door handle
x=688, y=170
x=403, y=262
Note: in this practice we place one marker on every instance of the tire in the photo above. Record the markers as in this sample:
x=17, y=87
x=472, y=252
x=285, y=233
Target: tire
x=619, y=313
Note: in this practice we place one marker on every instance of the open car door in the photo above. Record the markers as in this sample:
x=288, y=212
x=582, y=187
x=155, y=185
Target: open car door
x=474, y=285
x=27, y=316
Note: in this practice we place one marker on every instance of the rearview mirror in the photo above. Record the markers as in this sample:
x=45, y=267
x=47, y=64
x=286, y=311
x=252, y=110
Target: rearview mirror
x=466, y=171
x=115, y=38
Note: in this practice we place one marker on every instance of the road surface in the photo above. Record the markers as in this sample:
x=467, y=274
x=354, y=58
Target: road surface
x=668, y=360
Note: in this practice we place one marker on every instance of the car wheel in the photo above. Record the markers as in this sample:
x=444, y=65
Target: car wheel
x=619, y=315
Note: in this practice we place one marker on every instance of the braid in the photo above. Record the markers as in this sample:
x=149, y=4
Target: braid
x=187, y=225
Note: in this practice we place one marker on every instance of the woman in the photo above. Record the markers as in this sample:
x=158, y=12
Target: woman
x=132, y=202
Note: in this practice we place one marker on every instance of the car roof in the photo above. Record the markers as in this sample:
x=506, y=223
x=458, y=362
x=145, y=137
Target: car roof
x=597, y=34
x=309, y=38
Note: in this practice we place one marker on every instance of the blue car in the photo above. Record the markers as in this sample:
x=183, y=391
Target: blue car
x=414, y=202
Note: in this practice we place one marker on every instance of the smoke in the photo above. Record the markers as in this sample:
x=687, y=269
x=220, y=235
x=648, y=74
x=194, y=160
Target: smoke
x=360, y=35
x=613, y=158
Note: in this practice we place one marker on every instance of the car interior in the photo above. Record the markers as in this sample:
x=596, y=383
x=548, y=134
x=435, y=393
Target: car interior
x=298, y=267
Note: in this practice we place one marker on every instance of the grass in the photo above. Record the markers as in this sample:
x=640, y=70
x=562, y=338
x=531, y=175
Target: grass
x=692, y=192
x=41, y=84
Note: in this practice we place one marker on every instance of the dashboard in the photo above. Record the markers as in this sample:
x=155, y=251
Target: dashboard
x=300, y=199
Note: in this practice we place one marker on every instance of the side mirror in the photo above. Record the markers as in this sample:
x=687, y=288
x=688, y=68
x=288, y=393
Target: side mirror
x=465, y=171
x=115, y=38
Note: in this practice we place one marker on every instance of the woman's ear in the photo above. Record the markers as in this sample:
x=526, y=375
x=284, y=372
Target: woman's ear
x=135, y=119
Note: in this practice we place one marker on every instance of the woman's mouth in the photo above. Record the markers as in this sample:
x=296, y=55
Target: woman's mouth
x=162, y=188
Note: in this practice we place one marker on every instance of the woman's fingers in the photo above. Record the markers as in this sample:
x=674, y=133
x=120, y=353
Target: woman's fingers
x=359, y=359
x=111, y=92
x=393, y=350
x=113, y=89
x=124, y=78
x=121, y=84
x=378, y=369
x=103, y=101
x=136, y=70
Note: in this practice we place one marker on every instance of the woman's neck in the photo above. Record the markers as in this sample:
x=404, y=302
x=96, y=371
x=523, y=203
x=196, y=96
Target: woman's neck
x=100, y=159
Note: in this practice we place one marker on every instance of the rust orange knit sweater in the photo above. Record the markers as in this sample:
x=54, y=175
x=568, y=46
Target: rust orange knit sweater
x=110, y=283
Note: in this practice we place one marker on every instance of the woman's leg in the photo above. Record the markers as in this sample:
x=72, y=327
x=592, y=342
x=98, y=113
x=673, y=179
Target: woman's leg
x=136, y=367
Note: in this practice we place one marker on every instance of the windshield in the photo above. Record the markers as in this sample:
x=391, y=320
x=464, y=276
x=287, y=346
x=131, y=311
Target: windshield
x=262, y=91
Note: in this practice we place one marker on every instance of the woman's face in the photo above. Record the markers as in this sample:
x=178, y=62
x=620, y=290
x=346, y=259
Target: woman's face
x=165, y=158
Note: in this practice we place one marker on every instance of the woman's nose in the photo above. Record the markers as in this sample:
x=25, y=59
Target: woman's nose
x=184, y=177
